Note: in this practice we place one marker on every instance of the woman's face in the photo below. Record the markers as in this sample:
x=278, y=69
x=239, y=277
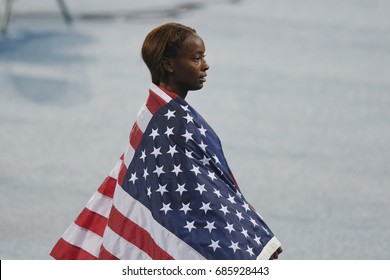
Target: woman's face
x=189, y=66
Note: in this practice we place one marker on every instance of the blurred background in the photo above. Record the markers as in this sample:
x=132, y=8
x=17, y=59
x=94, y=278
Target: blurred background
x=298, y=92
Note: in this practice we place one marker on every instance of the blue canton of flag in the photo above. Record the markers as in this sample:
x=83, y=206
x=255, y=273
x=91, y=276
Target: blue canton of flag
x=180, y=174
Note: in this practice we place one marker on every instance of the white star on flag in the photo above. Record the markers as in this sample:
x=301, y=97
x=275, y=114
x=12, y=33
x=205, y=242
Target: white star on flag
x=253, y=221
x=214, y=245
x=166, y=208
x=189, y=154
x=234, y=246
x=217, y=192
x=246, y=206
x=249, y=250
x=145, y=173
x=245, y=233
x=239, y=215
x=212, y=175
x=169, y=131
x=205, y=207
x=185, y=108
x=143, y=155
x=154, y=133
x=258, y=240
x=195, y=169
x=170, y=114
x=133, y=178
x=266, y=231
x=149, y=194
x=162, y=189
x=190, y=225
x=229, y=227
x=159, y=170
x=210, y=226
x=216, y=159
x=231, y=199
x=187, y=135
x=200, y=188
x=181, y=188
x=176, y=169
x=172, y=150
x=189, y=118
x=203, y=146
x=224, y=209
x=202, y=130
x=156, y=152
x=185, y=207
x=205, y=160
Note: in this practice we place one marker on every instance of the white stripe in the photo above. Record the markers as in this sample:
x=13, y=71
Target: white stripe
x=115, y=171
x=121, y=248
x=143, y=118
x=100, y=204
x=83, y=238
x=160, y=92
x=269, y=249
x=139, y=214
x=128, y=156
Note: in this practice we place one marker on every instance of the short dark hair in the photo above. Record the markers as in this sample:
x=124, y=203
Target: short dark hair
x=164, y=41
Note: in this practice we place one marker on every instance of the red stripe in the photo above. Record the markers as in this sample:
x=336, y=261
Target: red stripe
x=66, y=251
x=154, y=102
x=135, y=136
x=136, y=235
x=105, y=255
x=122, y=173
x=107, y=188
x=91, y=221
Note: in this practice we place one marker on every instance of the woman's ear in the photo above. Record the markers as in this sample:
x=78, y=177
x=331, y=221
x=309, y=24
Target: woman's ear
x=167, y=65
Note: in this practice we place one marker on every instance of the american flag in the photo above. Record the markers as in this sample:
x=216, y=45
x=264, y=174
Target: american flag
x=170, y=196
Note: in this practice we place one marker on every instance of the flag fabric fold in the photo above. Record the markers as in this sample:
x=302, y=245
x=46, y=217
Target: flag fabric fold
x=171, y=195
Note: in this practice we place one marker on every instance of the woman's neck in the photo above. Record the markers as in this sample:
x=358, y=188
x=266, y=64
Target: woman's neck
x=174, y=89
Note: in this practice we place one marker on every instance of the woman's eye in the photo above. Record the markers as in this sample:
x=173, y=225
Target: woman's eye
x=199, y=57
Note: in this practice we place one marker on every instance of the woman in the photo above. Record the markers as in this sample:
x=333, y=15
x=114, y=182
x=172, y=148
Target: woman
x=172, y=194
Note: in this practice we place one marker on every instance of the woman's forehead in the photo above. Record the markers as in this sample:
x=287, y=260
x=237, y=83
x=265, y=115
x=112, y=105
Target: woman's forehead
x=193, y=43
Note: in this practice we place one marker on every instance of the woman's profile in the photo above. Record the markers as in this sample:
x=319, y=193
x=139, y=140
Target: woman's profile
x=172, y=194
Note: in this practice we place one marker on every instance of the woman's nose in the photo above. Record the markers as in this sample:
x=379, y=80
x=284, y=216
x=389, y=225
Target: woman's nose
x=205, y=65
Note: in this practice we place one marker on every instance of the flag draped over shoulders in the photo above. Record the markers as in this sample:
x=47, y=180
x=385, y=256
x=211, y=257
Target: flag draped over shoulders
x=171, y=195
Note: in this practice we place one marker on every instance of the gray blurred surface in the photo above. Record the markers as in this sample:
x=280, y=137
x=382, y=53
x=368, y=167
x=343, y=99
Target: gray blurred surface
x=298, y=92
